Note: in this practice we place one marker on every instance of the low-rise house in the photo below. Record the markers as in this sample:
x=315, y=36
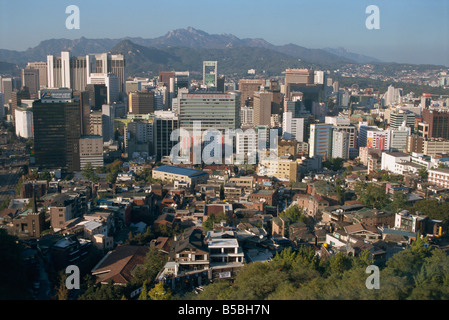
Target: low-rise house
x=120, y=264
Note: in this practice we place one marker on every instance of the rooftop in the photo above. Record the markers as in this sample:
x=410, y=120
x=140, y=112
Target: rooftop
x=181, y=171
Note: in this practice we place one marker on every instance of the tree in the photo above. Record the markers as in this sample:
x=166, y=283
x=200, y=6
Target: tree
x=423, y=173
x=89, y=173
x=399, y=202
x=144, y=293
x=159, y=292
x=294, y=213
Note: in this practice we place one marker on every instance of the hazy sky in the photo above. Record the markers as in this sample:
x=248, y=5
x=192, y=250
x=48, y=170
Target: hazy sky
x=414, y=31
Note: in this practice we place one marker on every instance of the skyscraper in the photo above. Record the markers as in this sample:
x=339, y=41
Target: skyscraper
x=57, y=129
x=41, y=67
x=214, y=110
x=262, y=108
x=320, y=140
x=30, y=79
x=210, y=73
x=141, y=102
x=247, y=87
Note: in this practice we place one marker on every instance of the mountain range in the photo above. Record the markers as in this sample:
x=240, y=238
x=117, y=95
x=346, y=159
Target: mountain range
x=185, y=49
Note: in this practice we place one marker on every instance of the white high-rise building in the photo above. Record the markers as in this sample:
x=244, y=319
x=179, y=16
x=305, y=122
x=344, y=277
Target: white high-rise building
x=111, y=82
x=340, y=144
x=293, y=128
x=398, y=137
x=24, y=122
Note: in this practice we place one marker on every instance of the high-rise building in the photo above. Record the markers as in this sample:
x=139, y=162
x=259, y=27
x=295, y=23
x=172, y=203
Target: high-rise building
x=214, y=110
x=320, y=140
x=397, y=117
x=6, y=87
x=164, y=124
x=30, y=79
x=75, y=72
x=293, y=128
x=210, y=74
x=41, y=67
x=24, y=122
x=57, y=129
x=98, y=95
x=247, y=88
x=262, y=108
x=111, y=82
x=91, y=151
x=398, y=137
x=340, y=144
x=310, y=83
x=437, y=121
x=141, y=102
x=246, y=116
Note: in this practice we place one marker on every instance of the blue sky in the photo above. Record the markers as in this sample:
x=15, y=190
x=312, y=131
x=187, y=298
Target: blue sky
x=415, y=31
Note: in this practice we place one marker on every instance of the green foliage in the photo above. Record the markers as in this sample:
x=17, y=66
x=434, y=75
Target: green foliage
x=372, y=195
x=418, y=272
x=89, y=173
x=433, y=209
x=159, y=292
x=334, y=164
x=214, y=218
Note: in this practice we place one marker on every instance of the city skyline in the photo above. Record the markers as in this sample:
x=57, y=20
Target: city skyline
x=410, y=31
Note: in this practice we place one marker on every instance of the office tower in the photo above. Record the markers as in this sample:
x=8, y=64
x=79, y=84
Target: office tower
x=96, y=123
x=75, y=72
x=16, y=99
x=308, y=82
x=246, y=146
x=107, y=121
x=378, y=139
x=91, y=151
x=246, y=116
x=320, y=140
x=98, y=95
x=165, y=76
x=397, y=117
x=23, y=122
x=164, y=124
x=437, y=121
x=140, y=102
x=214, y=110
x=111, y=81
x=392, y=96
x=262, y=108
x=57, y=129
x=398, y=137
x=158, y=100
x=84, y=99
x=221, y=84
x=30, y=79
x=54, y=72
x=139, y=137
x=2, y=105
x=293, y=128
x=210, y=73
x=109, y=63
x=41, y=67
x=276, y=97
x=181, y=80
x=340, y=144
x=247, y=87
x=7, y=88
x=363, y=134
x=132, y=86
